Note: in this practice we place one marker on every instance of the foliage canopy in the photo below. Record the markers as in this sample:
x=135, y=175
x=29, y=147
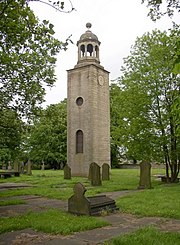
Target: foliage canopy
x=28, y=55
x=145, y=122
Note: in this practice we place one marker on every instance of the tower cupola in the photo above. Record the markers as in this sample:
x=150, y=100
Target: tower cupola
x=88, y=48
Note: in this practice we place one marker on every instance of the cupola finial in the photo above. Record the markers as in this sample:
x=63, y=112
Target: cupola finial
x=88, y=25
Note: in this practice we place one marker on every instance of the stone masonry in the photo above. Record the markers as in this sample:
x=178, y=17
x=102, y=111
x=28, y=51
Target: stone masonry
x=90, y=82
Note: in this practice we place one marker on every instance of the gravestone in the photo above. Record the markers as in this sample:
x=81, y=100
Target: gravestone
x=67, y=172
x=79, y=204
x=22, y=168
x=3, y=166
x=95, y=174
x=42, y=166
x=9, y=166
x=145, y=175
x=16, y=167
x=61, y=165
x=105, y=171
x=29, y=167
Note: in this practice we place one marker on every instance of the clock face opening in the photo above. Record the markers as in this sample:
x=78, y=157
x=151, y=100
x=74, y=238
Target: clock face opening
x=79, y=101
x=101, y=80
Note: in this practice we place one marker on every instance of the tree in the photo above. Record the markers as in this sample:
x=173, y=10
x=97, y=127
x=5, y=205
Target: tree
x=47, y=138
x=57, y=5
x=10, y=135
x=156, y=12
x=28, y=55
x=148, y=91
x=156, y=8
x=28, y=52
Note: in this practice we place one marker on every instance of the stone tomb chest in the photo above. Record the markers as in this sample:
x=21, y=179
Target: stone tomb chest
x=81, y=205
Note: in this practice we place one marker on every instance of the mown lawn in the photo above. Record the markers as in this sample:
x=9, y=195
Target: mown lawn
x=147, y=236
x=51, y=183
x=51, y=221
x=162, y=200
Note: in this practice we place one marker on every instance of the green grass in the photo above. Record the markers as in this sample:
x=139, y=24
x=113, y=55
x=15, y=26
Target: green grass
x=51, y=221
x=147, y=236
x=51, y=183
x=11, y=202
x=153, y=202
x=162, y=201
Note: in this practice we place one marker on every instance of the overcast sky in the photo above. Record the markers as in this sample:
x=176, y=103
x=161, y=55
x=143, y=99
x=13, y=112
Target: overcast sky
x=117, y=24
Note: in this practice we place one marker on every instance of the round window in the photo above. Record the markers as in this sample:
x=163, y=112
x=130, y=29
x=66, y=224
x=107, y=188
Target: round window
x=79, y=101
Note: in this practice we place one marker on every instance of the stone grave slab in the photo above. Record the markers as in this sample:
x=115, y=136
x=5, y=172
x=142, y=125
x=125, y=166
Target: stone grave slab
x=96, y=205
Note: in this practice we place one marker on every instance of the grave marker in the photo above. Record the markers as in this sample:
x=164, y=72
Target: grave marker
x=79, y=204
x=145, y=175
x=29, y=167
x=94, y=174
x=105, y=171
x=67, y=172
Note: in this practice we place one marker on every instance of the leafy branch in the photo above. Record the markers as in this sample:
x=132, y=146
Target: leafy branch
x=58, y=5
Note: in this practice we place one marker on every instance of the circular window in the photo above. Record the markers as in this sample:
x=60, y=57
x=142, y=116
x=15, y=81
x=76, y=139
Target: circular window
x=79, y=101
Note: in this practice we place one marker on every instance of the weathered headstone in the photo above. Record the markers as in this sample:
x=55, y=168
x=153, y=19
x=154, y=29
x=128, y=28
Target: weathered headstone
x=145, y=175
x=16, y=166
x=61, y=165
x=3, y=166
x=22, y=167
x=95, y=174
x=78, y=203
x=67, y=172
x=95, y=205
x=29, y=167
x=105, y=171
x=9, y=166
x=42, y=166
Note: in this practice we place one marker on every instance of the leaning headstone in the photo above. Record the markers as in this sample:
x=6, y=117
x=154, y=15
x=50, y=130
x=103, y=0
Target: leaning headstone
x=78, y=203
x=29, y=167
x=105, y=171
x=94, y=205
x=67, y=172
x=145, y=175
x=95, y=175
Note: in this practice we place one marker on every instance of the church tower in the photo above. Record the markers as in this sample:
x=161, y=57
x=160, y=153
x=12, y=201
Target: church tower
x=88, y=108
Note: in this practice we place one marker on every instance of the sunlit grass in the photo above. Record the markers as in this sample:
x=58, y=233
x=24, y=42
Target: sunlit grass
x=11, y=202
x=51, y=183
x=162, y=201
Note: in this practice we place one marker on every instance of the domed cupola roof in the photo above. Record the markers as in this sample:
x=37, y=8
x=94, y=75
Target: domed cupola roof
x=88, y=36
x=88, y=48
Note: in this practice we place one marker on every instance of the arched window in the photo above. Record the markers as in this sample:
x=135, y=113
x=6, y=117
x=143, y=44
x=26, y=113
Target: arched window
x=82, y=50
x=79, y=141
x=90, y=49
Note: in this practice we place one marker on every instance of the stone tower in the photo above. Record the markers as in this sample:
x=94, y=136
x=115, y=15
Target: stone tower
x=88, y=109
